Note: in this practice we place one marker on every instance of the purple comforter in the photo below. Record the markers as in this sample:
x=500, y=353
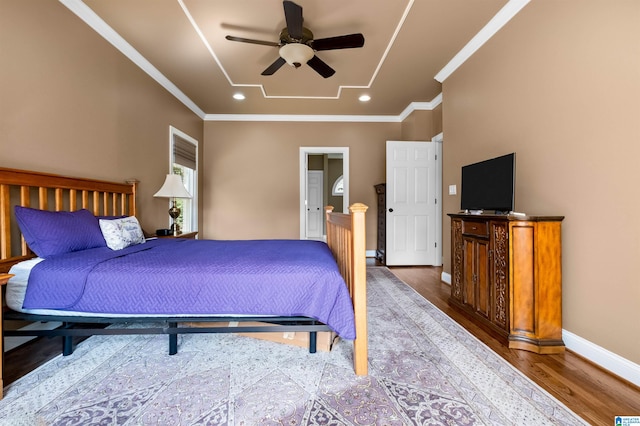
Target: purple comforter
x=199, y=277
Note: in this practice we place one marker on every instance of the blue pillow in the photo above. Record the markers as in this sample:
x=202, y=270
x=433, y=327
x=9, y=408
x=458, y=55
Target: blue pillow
x=50, y=233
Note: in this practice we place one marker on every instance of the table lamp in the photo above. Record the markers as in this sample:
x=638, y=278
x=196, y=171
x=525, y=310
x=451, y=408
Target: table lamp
x=173, y=188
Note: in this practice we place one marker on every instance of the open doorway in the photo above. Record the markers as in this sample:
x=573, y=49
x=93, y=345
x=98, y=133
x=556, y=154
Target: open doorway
x=331, y=166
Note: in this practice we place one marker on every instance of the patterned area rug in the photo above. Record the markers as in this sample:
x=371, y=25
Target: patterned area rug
x=424, y=369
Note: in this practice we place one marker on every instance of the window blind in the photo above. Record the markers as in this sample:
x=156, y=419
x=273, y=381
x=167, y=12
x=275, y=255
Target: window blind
x=184, y=152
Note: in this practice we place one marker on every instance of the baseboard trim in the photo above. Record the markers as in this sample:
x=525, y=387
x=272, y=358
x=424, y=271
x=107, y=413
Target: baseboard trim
x=606, y=359
x=598, y=355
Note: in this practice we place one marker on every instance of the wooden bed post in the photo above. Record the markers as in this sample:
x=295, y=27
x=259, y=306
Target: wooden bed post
x=346, y=238
x=131, y=205
x=359, y=297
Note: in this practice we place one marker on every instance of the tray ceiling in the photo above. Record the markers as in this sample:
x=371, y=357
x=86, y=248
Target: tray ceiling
x=182, y=44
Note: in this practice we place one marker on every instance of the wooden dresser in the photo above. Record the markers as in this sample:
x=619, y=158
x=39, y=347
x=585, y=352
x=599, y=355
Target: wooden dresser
x=507, y=275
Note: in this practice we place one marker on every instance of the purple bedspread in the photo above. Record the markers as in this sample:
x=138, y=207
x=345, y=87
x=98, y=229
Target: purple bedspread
x=199, y=277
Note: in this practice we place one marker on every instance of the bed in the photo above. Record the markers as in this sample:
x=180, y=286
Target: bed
x=42, y=193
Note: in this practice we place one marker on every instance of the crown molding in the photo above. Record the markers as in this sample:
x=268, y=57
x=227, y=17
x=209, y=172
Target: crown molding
x=420, y=106
x=501, y=18
x=414, y=106
x=305, y=118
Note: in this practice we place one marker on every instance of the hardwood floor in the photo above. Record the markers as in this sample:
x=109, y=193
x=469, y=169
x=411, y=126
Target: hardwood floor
x=591, y=392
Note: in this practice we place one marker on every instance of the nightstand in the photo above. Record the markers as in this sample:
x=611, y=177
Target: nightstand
x=3, y=280
x=187, y=235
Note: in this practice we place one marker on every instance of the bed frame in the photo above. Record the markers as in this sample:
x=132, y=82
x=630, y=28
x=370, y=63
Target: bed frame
x=345, y=237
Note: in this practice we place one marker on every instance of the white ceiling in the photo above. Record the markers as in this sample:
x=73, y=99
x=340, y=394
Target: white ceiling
x=408, y=43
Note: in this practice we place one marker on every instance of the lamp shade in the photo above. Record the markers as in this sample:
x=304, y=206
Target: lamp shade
x=173, y=188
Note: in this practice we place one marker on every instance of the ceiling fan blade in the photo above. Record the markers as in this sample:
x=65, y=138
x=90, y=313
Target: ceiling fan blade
x=274, y=66
x=321, y=67
x=340, y=42
x=249, y=40
x=293, y=16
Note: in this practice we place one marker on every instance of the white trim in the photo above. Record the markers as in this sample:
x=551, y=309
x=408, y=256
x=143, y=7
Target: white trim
x=304, y=153
x=413, y=106
x=305, y=118
x=423, y=106
x=501, y=18
x=85, y=13
x=445, y=277
x=608, y=360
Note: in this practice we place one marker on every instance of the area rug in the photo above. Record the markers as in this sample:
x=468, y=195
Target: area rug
x=424, y=369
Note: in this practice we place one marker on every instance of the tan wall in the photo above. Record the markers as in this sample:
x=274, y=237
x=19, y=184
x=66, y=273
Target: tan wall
x=261, y=198
x=559, y=85
x=71, y=104
x=422, y=125
x=416, y=126
x=437, y=120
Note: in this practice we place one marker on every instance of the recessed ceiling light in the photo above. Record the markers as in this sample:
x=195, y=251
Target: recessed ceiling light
x=364, y=98
x=238, y=96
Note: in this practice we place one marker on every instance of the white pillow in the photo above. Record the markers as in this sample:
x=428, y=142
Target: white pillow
x=121, y=233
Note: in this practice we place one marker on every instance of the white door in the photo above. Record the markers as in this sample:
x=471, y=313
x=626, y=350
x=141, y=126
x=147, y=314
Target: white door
x=411, y=203
x=315, y=208
x=305, y=151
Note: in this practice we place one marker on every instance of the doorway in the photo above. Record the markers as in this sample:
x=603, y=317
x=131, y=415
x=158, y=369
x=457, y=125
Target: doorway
x=329, y=154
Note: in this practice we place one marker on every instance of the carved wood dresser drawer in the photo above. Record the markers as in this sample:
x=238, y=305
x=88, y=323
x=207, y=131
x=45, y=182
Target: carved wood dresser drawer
x=478, y=228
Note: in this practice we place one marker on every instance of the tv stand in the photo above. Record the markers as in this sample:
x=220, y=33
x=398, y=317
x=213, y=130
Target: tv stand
x=506, y=276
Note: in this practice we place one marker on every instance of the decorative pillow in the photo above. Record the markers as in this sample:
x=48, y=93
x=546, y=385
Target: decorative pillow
x=121, y=233
x=50, y=233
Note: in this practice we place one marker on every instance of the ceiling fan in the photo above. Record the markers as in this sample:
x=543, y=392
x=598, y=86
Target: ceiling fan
x=297, y=45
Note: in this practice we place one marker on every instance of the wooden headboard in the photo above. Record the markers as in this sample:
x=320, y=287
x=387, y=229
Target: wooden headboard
x=55, y=193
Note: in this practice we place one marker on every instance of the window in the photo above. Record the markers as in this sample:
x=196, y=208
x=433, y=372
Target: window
x=184, y=162
x=338, y=187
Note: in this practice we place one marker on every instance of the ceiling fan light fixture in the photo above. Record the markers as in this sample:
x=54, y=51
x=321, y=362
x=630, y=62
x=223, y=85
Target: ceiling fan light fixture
x=296, y=54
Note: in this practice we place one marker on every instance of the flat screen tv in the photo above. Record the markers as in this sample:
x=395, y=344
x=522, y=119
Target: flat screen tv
x=489, y=185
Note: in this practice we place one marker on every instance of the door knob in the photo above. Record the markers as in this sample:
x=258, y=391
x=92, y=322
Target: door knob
x=390, y=210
